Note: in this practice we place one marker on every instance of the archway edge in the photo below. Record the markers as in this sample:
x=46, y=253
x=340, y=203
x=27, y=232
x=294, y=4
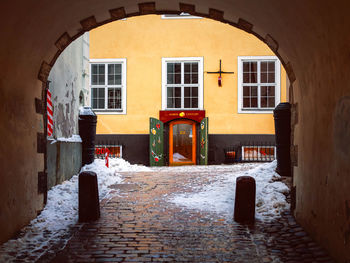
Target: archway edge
x=147, y=8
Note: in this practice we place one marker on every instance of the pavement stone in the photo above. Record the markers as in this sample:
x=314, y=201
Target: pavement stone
x=137, y=224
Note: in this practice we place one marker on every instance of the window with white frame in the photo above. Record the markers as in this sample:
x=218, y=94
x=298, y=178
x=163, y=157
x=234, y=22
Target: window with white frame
x=258, y=153
x=180, y=16
x=108, y=85
x=182, y=83
x=258, y=84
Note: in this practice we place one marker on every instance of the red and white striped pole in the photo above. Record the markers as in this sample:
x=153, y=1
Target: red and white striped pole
x=49, y=114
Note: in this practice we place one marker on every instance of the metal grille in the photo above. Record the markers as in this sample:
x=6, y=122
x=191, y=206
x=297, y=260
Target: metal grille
x=114, y=148
x=251, y=152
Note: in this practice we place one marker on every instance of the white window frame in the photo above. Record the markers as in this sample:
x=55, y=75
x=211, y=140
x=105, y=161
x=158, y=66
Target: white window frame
x=121, y=61
x=200, y=81
x=277, y=83
x=259, y=157
x=105, y=146
x=182, y=15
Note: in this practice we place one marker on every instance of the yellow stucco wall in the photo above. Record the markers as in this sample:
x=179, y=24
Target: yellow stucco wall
x=144, y=40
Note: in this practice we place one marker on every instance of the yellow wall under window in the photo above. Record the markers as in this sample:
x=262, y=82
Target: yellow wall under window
x=144, y=40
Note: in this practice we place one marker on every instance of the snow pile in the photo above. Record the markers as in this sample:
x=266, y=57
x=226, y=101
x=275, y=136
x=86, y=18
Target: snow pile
x=74, y=138
x=86, y=111
x=121, y=165
x=219, y=195
x=51, y=229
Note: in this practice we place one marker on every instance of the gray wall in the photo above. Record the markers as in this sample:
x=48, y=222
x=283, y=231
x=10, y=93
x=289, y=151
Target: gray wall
x=68, y=81
x=69, y=90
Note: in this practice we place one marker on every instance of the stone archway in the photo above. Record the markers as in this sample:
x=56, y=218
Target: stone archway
x=310, y=36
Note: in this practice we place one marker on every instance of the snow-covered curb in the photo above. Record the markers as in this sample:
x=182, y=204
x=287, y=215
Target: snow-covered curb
x=61, y=213
x=219, y=196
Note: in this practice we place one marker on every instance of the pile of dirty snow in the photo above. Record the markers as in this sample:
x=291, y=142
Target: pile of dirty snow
x=219, y=195
x=51, y=229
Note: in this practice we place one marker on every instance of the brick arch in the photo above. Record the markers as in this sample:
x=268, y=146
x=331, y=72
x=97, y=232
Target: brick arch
x=147, y=8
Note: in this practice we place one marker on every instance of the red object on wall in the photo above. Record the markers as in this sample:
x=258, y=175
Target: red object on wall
x=49, y=109
x=219, y=81
x=195, y=115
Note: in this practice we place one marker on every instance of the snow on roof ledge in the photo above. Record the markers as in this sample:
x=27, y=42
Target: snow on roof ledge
x=74, y=138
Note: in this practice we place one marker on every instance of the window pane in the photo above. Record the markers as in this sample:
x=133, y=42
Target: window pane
x=187, y=91
x=271, y=102
x=178, y=92
x=93, y=79
x=174, y=73
x=271, y=90
x=254, y=91
x=263, y=102
x=114, y=74
x=253, y=66
x=250, y=95
x=187, y=102
x=177, y=102
x=187, y=68
x=97, y=74
x=98, y=98
x=245, y=66
x=170, y=103
x=194, y=102
x=114, y=98
x=267, y=97
x=195, y=91
x=101, y=80
x=246, y=102
x=263, y=66
x=94, y=69
x=170, y=78
x=173, y=95
x=177, y=72
x=267, y=72
x=191, y=73
x=249, y=72
x=191, y=97
x=254, y=102
x=271, y=66
x=246, y=91
x=187, y=78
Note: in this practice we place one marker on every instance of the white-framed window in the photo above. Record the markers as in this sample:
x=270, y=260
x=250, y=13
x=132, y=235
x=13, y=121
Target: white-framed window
x=259, y=84
x=114, y=151
x=108, y=86
x=258, y=153
x=182, y=83
x=182, y=15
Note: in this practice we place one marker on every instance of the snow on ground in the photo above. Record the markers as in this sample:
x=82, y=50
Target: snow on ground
x=53, y=225
x=51, y=229
x=219, y=195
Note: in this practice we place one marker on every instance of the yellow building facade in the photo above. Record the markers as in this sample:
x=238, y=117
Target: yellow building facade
x=168, y=67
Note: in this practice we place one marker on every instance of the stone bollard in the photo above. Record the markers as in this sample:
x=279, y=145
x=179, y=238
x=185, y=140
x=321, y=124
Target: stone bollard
x=245, y=200
x=89, y=205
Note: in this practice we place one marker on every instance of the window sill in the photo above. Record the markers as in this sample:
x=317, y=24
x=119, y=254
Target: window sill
x=109, y=112
x=182, y=109
x=255, y=111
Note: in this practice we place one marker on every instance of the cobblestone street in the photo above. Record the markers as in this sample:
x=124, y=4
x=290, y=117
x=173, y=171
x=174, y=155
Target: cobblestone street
x=138, y=224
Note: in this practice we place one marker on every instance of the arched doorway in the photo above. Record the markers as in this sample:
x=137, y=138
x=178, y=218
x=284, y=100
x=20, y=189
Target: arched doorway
x=182, y=142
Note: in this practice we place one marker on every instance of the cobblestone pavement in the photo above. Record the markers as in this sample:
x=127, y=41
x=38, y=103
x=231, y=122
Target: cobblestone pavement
x=139, y=225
